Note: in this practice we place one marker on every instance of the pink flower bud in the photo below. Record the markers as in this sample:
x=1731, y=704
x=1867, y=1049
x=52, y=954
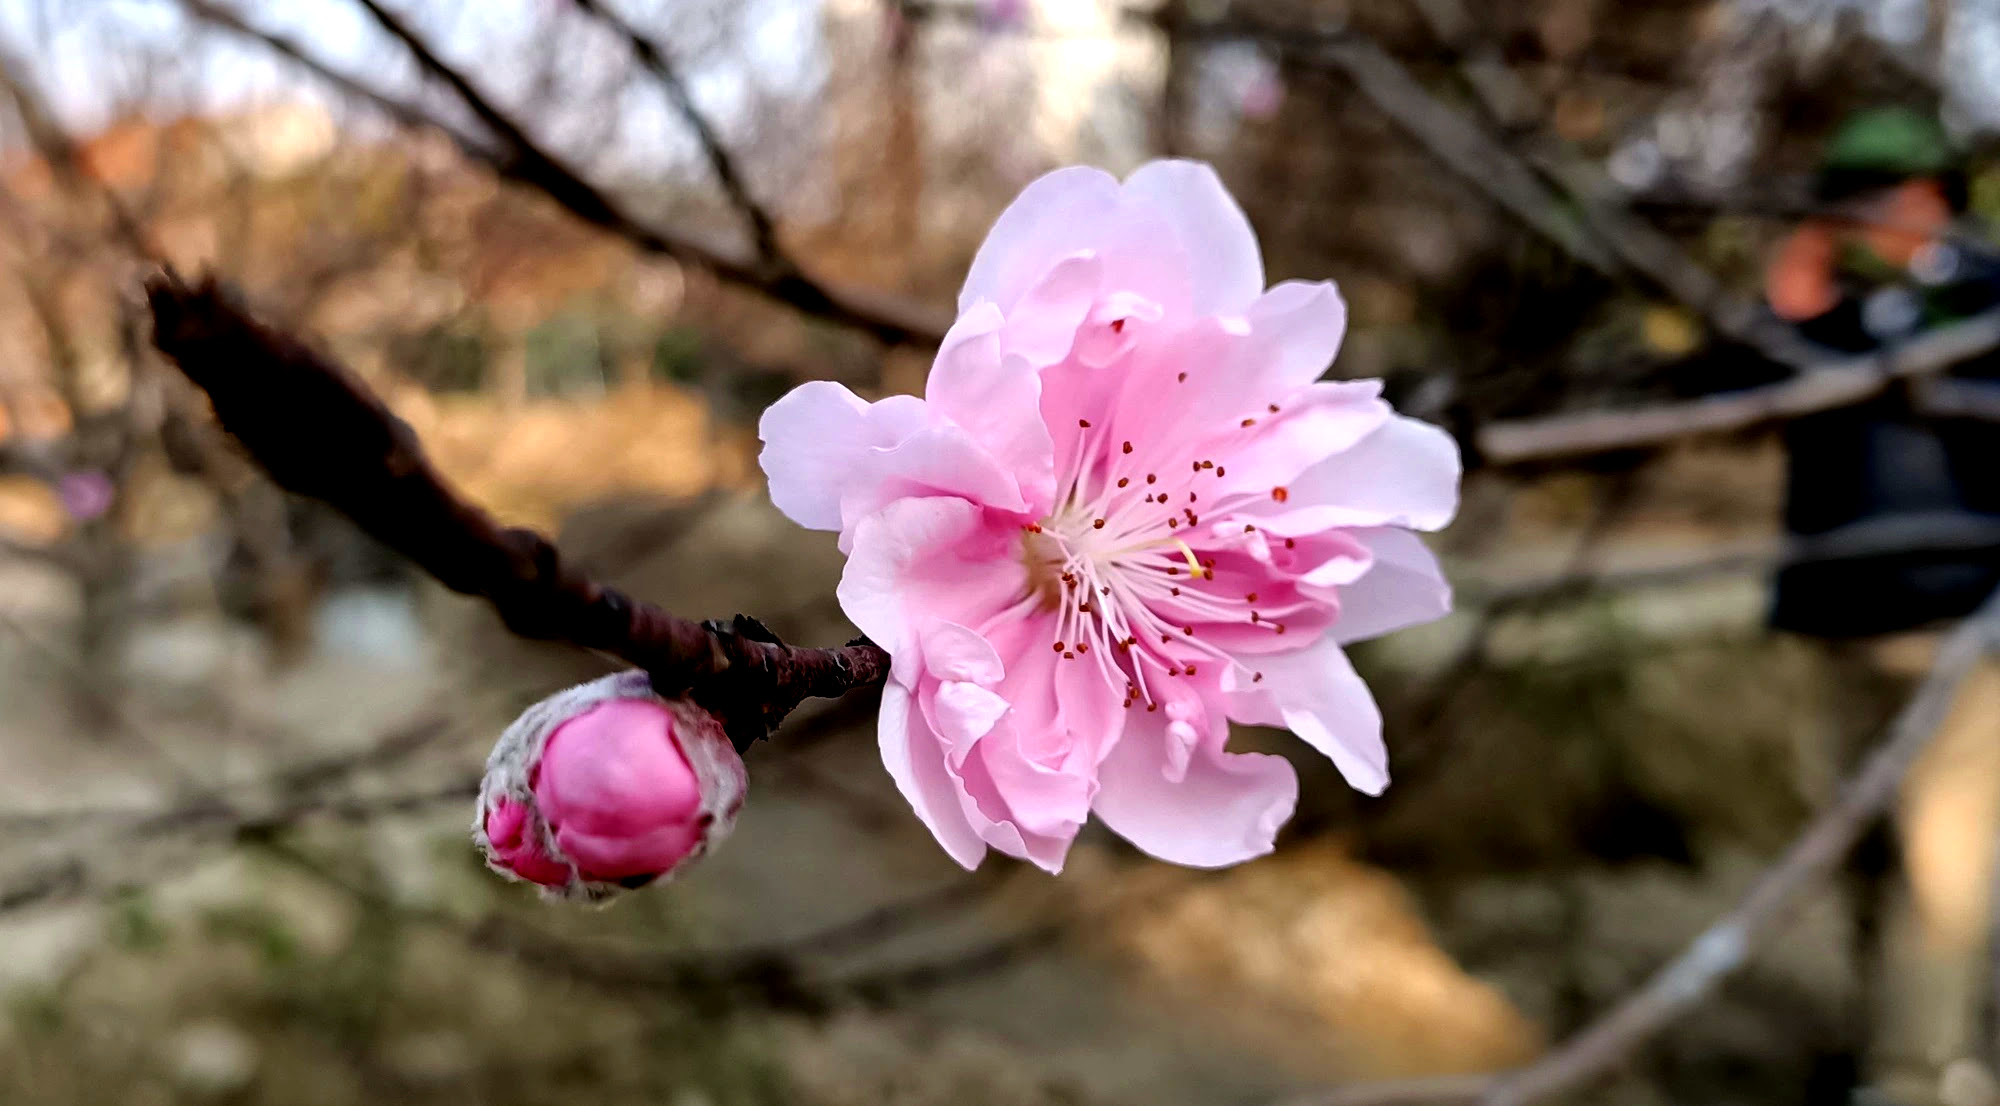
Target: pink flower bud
x=607, y=786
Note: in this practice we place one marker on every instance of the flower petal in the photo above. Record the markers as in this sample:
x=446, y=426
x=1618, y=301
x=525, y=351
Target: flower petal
x=1203, y=807
x=955, y=652
x=1042, y=325
x=1312, y=424
x=1316, y=694
x=915, y=761
x=997, y=401
x=1403, y=587
x=814, y=439
x=1054, y=217
x=1042, y=800
x=1301, y=323
x=934, y=461
x=994, y=822
x=918, y=563
x=1228, y=270
x=1113, y=326
x=1404, y=474
x=965, y=712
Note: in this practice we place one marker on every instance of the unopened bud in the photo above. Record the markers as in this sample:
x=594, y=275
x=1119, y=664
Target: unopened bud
x=607, y=786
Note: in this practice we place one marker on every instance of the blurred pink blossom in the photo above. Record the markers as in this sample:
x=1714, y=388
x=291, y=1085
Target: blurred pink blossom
x=1262, y=92
x=607, y=786
x=85, y=495
x=1126, y=513
x=1002, y=15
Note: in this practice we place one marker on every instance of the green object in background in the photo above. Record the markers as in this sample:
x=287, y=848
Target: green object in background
x=1985, y=195
x=1890, y=141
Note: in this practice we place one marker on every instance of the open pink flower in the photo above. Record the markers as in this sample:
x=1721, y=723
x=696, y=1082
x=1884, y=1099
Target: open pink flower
x=1126, y=512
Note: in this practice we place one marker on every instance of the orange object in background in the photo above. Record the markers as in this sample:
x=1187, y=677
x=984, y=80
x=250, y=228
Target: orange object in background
x=1911, y=216
x=1799, y=282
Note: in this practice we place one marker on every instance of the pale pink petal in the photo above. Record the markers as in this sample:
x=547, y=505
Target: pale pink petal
x=1402, y=587
x=996, y=400
x=812, y=439
x=965, y=712
x=1058, y=215
x=1143, y=255
x=1337, y=568
x=1042, y=800
x=987, y=811
x=1198, y=806
x=1316, y=694
x=1067, y=710
x=1114, y=326
x=1310, y=425
x=1175, y=388
x=1301, y=323
x=1228, y=270
x=916, y=762
x=816, y=439
x=1043, y=323
x=1041, y=757
x=1404, y=474
x=955, y=652
x=934, y=461
x=920, y=562
x=1089, y=696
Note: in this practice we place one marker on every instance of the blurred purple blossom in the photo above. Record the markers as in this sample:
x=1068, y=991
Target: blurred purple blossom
x=1002, y=15
x=86, y=495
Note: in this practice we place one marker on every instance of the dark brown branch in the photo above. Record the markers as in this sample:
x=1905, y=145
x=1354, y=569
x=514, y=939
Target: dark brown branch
x=319, y=432
x=523, y=160
x=721, y=162
x=1724, y=947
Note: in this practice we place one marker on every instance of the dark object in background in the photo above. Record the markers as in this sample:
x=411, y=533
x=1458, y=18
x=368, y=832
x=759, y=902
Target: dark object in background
x=1886, y=465
x=1875, y=464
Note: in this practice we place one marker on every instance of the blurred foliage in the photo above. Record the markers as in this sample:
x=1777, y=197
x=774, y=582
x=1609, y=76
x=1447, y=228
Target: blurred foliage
x=447, y=357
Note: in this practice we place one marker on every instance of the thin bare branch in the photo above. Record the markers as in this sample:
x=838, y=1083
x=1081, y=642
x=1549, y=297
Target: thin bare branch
x=1459, y=144
x=1570, y=203
x=401, y=111
x=522, y=159
x=1724, y=947
x=652, y=55
x=1942, y=533
x=320, y=787
x=1822, y=386
x=60, y=151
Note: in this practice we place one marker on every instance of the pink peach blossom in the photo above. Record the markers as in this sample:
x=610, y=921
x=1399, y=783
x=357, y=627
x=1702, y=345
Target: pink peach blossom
x=606, y=786
x=1126, y=513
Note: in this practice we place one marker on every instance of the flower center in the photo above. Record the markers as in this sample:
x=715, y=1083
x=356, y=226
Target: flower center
x=1114, y=565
